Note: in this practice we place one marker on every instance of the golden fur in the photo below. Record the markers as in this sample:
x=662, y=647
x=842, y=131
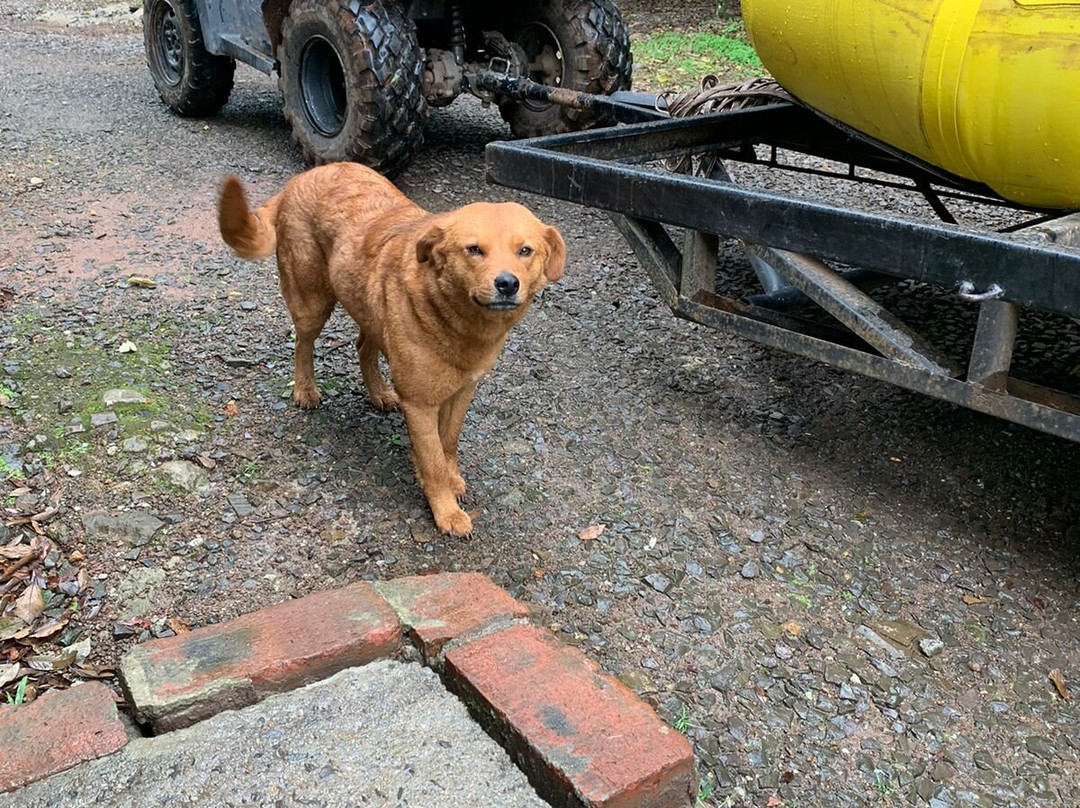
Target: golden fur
x=436, y=294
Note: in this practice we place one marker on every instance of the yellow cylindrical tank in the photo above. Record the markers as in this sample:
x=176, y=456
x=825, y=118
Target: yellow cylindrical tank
x=987, y=89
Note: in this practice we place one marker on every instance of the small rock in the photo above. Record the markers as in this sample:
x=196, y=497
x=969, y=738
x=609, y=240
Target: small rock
x=750, y=570
x=638, y=681
x=62, y=372
x=36, y=182
x=135, y=529
x=186, y=475
x=240, y=504
x=885, y=668
x=103, y=418
x=901, y=632
x=134, y=445
x=138, y=592
x=1041, y=747
x=658, y=581
x=835, y=674
x=122, y=396
x=879, y=642
x=931, y=646
x=122, y=632
x=187, y=436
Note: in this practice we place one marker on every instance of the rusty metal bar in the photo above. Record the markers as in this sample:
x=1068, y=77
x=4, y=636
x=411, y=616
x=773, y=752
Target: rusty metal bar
x=699, y=257
x=856, y=310
x=1045, y=278
x=995, y=337
x=1048, y=411
x=487, y=82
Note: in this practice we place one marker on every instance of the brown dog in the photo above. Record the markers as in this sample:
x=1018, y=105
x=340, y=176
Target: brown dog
x=436, y=294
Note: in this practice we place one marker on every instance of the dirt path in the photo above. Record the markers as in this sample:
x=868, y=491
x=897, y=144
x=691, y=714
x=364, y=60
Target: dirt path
x=766, y=521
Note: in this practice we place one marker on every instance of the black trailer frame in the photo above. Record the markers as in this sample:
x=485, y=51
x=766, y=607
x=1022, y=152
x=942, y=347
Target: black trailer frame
x=789, y=239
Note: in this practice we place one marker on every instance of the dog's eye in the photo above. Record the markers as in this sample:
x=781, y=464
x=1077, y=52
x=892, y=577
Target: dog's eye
x=525, y=252
x=474, y=249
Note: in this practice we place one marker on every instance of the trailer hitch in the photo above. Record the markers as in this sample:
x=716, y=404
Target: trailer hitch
x=620, y=107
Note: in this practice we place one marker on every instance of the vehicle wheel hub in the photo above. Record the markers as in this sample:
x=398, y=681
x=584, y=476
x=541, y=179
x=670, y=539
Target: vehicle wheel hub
x=322, y=87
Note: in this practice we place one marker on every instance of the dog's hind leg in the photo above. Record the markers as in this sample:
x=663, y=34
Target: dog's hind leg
x=383, y=396
x=309, y=324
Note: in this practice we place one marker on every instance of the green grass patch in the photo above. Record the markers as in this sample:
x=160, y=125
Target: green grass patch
x=677, y=60
x=92, y=366
x=8, y=471
x=805, y=601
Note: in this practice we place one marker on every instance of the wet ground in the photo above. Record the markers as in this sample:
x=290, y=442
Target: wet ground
x=843, y=593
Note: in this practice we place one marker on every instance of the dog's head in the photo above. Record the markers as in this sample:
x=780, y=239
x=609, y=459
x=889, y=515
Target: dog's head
x=493, y=256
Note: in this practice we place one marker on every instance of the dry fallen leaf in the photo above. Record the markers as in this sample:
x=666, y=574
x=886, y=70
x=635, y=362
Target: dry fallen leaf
x=49, y=629
x=177, y=625
x=231, y=410
x=592, y=532
x=11, y=627
x=145, y=283
x=971, y=600
x=30, y=604
x=9, y=673
x=792, y=628
x=77, y=557
x=16, y=551
x=53, y=662
x=774, y=801
x=1059, y=683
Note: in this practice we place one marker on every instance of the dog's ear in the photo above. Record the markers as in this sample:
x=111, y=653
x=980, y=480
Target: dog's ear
x=427, y=246
x=556, y=254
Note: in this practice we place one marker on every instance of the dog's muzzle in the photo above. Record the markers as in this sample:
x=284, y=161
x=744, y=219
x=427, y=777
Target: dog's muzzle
x=506, y=297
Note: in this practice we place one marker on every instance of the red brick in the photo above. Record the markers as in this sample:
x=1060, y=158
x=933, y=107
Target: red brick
x=177, y=681
x=582, y=737
x=57, y=731
x=436, y=609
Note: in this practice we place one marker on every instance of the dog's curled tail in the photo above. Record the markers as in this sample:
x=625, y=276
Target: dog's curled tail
x=251, y=235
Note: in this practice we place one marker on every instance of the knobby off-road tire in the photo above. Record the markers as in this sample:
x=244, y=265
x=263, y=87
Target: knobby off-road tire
x=190, y=80
x=595, y=48
x=351, y=79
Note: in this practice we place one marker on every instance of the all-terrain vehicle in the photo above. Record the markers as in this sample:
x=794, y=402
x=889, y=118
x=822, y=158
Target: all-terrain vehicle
x=359, y=77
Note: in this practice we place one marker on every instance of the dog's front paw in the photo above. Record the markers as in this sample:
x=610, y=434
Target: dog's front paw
x=306, y=398
x=456, y=523
x=386, y=400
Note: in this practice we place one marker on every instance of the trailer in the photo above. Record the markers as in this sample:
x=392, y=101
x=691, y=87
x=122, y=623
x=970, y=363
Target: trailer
x=826, y=281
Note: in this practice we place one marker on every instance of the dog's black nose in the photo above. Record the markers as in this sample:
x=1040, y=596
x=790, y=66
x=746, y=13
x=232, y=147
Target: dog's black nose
x=507, y=284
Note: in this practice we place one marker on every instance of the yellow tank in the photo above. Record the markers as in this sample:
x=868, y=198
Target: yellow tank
x=987, y=89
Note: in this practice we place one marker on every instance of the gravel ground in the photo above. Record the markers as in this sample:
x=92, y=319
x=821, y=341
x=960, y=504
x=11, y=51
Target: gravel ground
x=843, y=593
